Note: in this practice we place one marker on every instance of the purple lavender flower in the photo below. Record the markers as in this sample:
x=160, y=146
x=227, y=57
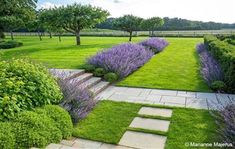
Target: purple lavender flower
x=122, y=59
x=155, y=44
x=210, y=68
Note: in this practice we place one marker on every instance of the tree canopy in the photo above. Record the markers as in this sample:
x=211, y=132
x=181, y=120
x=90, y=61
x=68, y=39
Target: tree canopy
x=128, y=23
x=15, y=11
x=74, y=18
x=152, y=24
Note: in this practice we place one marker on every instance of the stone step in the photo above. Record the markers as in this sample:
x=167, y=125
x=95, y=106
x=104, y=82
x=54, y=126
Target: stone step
x=82, y=78
x=67, y=73
x=96, y=89
x=90, y=82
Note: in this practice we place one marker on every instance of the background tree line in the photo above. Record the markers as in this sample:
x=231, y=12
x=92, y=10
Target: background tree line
x=177, y=24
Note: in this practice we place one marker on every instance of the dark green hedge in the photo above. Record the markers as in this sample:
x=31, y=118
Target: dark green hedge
x=225, y=54
x=10, y=44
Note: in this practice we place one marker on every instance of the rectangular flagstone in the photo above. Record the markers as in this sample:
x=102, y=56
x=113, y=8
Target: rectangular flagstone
x=150, y=124
x=186, y=94
x=143, y=140
x=173, y=99
x=163, y=92
x=111, y=146
x=211, y=96
x=155, y=111
x=154, y=98
x=82, y=143
x=145, y=92
x=196, y=103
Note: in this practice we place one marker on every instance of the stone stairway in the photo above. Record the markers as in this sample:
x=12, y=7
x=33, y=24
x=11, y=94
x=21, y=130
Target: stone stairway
x=83, y=79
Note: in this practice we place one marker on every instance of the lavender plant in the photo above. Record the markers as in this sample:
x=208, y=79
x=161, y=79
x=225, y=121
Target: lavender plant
x=155, y=44
x=210, y=68
x=77, y=99
x=122, y=59
x=225, y=119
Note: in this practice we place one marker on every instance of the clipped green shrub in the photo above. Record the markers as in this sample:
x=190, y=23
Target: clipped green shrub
x=25, y=85
x=89, y=67
x=7, y=137
x=99, y=72
x=61, y=118
x=35, y=130
x=111, y=77
x=218, y=86
x=225, y=55
x=10, y=44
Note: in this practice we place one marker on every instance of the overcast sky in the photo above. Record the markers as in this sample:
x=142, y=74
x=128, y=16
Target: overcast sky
x=201, y=10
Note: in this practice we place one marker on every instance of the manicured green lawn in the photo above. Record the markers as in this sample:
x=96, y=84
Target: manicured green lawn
x=109, y=120
x=63, y=54
x=177, y=67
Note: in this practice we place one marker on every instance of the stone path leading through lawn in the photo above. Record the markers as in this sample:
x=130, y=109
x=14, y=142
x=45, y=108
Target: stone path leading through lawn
x=131, y=139
x=198, y=100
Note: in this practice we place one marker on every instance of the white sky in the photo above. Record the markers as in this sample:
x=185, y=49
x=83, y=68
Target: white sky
x=201, y=10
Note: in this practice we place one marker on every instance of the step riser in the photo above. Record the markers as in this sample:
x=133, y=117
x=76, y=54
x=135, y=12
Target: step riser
x=78, y=82
x=91, y=84
x=100, y=90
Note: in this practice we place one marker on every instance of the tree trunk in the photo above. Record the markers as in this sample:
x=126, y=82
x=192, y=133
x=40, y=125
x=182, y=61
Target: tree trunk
x=2, y=36
x=130, y=36
x=59, y=38
x=78, y=38
x=12, y=37
x=40, y=35
x=149, y=33
x=50, y=35
x=152, y=33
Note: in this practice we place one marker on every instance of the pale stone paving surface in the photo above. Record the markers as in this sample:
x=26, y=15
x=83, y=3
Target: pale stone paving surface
x=155, y=111
x=186, y=99
x=143, y=140
x=150, y=124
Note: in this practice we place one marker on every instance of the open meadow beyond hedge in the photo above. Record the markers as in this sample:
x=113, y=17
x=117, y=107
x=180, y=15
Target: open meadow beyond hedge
x=177, y=67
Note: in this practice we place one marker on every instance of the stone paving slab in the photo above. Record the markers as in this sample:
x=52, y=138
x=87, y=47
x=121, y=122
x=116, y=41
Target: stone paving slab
x=196, y=103
x=150, y=124
x=142, y=140
x=173, y=99
x=111, y=146
x=165, y=97
x=82, y=143
x=155, y=111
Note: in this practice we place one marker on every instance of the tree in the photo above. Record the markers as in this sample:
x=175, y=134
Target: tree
x=22, y=10
x=36, y=25
x=128, y=23
x=74, y=18
x=152, y=24
x=11, y=23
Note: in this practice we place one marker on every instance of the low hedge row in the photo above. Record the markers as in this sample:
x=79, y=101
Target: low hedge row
x=225, y=55
x=37, y=128
x=10, y=44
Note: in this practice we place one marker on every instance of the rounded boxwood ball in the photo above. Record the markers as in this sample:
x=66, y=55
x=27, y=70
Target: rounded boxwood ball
x=218, y=86
x=99, y=72
x=89, y=67
x=35, y=130
x=7, y=137
x=111, y=77
x=61, y=118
